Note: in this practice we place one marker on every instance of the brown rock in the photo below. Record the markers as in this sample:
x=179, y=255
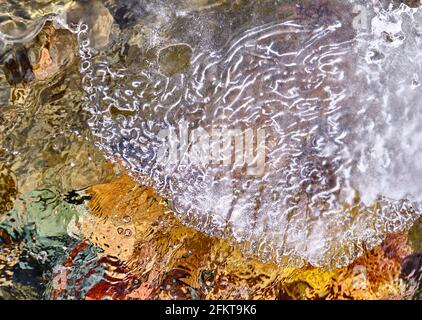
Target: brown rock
x=50, y=51
x=172, y=261
x=98, y=19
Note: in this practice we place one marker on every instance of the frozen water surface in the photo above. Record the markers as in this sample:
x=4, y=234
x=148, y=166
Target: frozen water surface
x=319, y=115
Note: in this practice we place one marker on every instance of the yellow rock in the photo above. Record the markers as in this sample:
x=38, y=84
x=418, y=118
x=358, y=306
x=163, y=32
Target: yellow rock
x=133, y=223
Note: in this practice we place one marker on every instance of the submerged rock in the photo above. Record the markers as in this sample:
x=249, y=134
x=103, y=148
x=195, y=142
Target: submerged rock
x=161, y=258
x=412, y=267
x=8, y=190
x=40, y=57
x=51, y=51
x=277, y=126
x=96, y=16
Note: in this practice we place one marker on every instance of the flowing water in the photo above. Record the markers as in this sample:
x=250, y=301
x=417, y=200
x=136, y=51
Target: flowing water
x=289, y=128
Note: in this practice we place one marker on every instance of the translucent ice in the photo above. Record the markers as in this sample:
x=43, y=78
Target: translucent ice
x=300, y=138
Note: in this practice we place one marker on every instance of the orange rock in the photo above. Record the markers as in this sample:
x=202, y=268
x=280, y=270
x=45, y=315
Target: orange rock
x=172, y=261
x=51, y=51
